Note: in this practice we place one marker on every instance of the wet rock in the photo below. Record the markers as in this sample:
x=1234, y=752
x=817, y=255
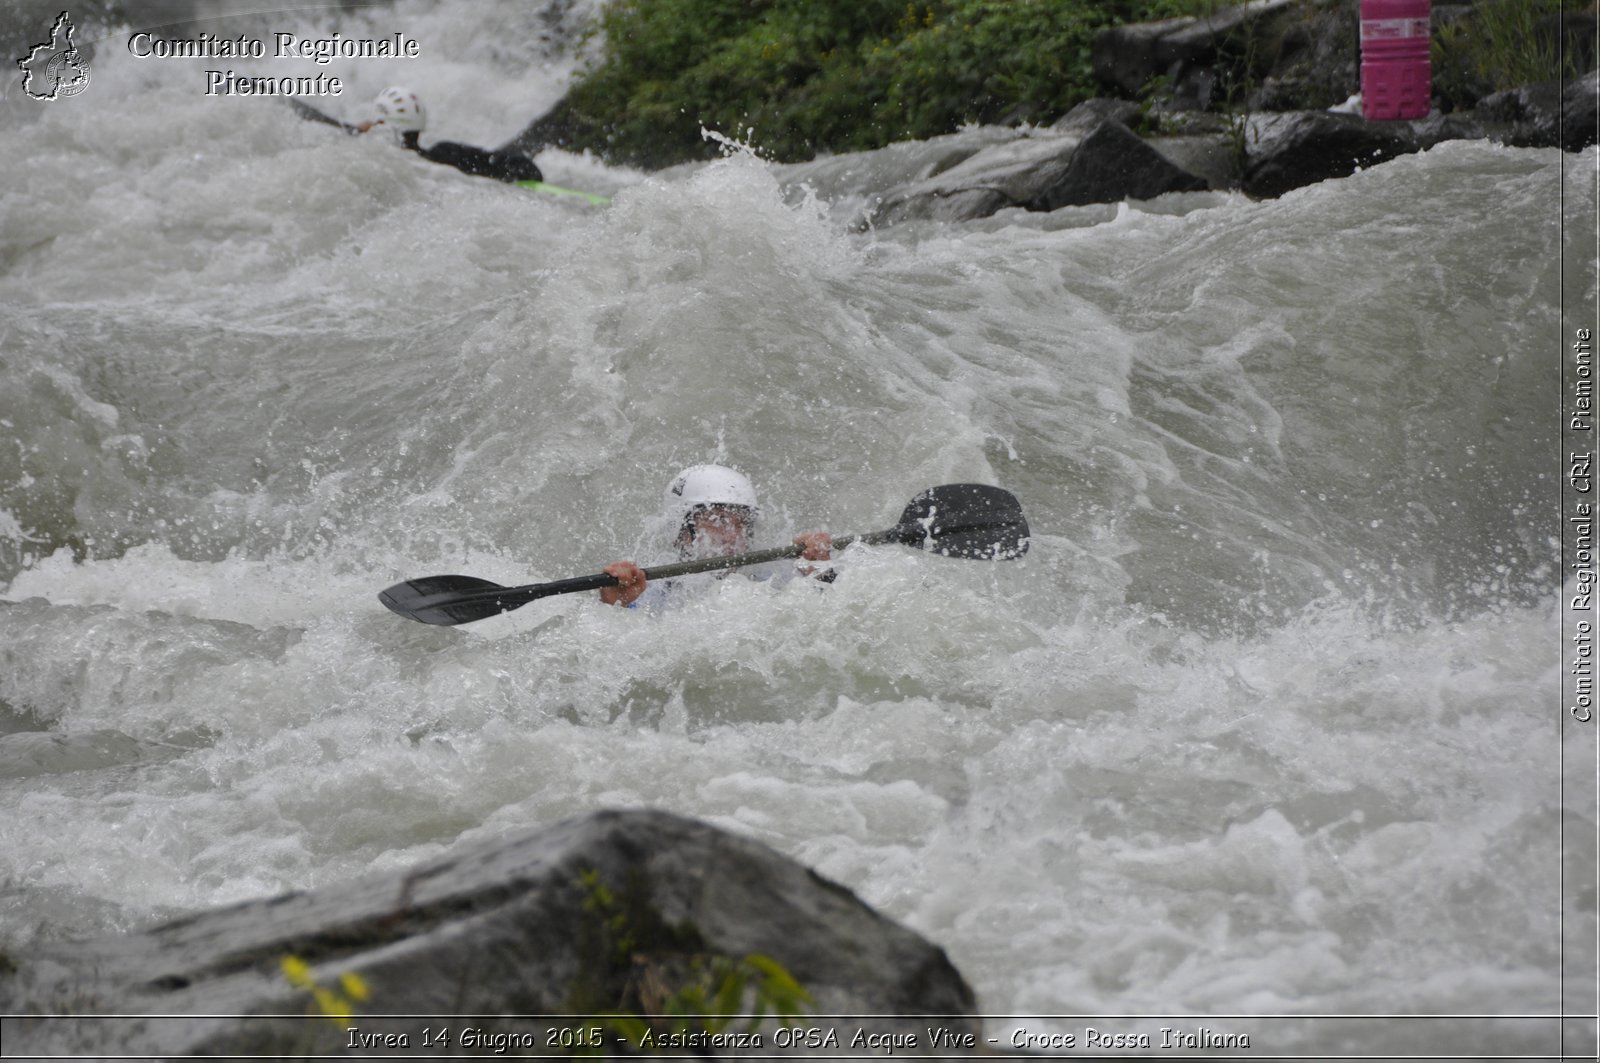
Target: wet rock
x=1043, y=172
x=1581, y=112
x=1544, y=115
x=887, y=168
x=1313, y=64
x=1133, y=56
x=1213, y=157
x=1110, y=165
x=1270, y=55
x=1086, y=116
x=1288, y=151
x=1005, y=175
x=606, y=910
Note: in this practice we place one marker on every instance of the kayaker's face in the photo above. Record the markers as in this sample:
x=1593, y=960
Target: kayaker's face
x=718, y=532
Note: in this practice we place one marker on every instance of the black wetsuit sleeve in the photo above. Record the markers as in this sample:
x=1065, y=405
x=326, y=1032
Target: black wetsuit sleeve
x=501, y=165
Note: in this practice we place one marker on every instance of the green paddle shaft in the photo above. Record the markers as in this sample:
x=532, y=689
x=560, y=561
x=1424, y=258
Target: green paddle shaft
x=556, y=190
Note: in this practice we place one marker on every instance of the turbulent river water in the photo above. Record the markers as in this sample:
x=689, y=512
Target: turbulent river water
x=1266, y=723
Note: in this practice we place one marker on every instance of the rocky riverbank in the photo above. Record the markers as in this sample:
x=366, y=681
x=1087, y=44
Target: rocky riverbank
x=1094, y=156
x=1259, y=98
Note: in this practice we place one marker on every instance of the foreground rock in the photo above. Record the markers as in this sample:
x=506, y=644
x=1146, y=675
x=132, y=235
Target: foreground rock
x=608, y=911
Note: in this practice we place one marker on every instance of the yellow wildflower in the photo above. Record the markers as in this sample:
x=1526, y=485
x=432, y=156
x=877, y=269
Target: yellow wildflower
x=298, y=972
x=355, y=987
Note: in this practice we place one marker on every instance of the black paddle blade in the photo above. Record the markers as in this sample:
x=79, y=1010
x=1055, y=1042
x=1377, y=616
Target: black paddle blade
x=966, y=520
x=444, y=600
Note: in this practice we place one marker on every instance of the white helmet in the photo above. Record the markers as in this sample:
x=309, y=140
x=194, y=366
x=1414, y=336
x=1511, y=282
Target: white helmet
x=400, y=110
x=711, y=485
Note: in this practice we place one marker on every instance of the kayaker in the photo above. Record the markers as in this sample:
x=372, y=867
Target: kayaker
x=716, y=511
x=400, y=110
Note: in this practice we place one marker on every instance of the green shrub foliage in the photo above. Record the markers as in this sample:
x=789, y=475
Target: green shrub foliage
x=1502, y=44
x=794, y=78
x=798, y=78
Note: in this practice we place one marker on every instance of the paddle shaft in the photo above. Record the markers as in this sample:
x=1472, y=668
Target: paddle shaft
x=512, y=597
x=974, y=521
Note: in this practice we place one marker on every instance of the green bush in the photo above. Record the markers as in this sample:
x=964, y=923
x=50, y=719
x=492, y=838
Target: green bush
x=1501, y=44
x=795, y=78
x=798, y=77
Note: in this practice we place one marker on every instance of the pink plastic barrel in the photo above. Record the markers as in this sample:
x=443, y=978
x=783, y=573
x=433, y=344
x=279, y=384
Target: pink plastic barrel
x=1396, y=74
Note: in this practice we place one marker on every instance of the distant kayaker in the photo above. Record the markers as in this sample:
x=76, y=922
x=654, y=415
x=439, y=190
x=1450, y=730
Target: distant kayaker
x=400, y=110
x=716, y=511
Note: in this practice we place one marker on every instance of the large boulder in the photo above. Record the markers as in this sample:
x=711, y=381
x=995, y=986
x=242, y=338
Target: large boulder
x=1110, y=165
x=1131, y=57
x=1212, y=157
x=878, y=172
x=1314, y=64
x=1087, y=116
x=611, y=910
x=1013, y=174
x=1042, y=172
x=1298, y=148
x=1580, y=116
x=1544, y=115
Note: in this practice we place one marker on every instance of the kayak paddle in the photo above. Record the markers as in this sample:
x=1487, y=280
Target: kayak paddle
x=557, y=190
x=956, y=520
x=311, y=114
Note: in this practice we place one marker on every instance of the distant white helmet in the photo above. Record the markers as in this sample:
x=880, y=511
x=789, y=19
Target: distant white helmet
x=400, y=110
x=711, y=485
